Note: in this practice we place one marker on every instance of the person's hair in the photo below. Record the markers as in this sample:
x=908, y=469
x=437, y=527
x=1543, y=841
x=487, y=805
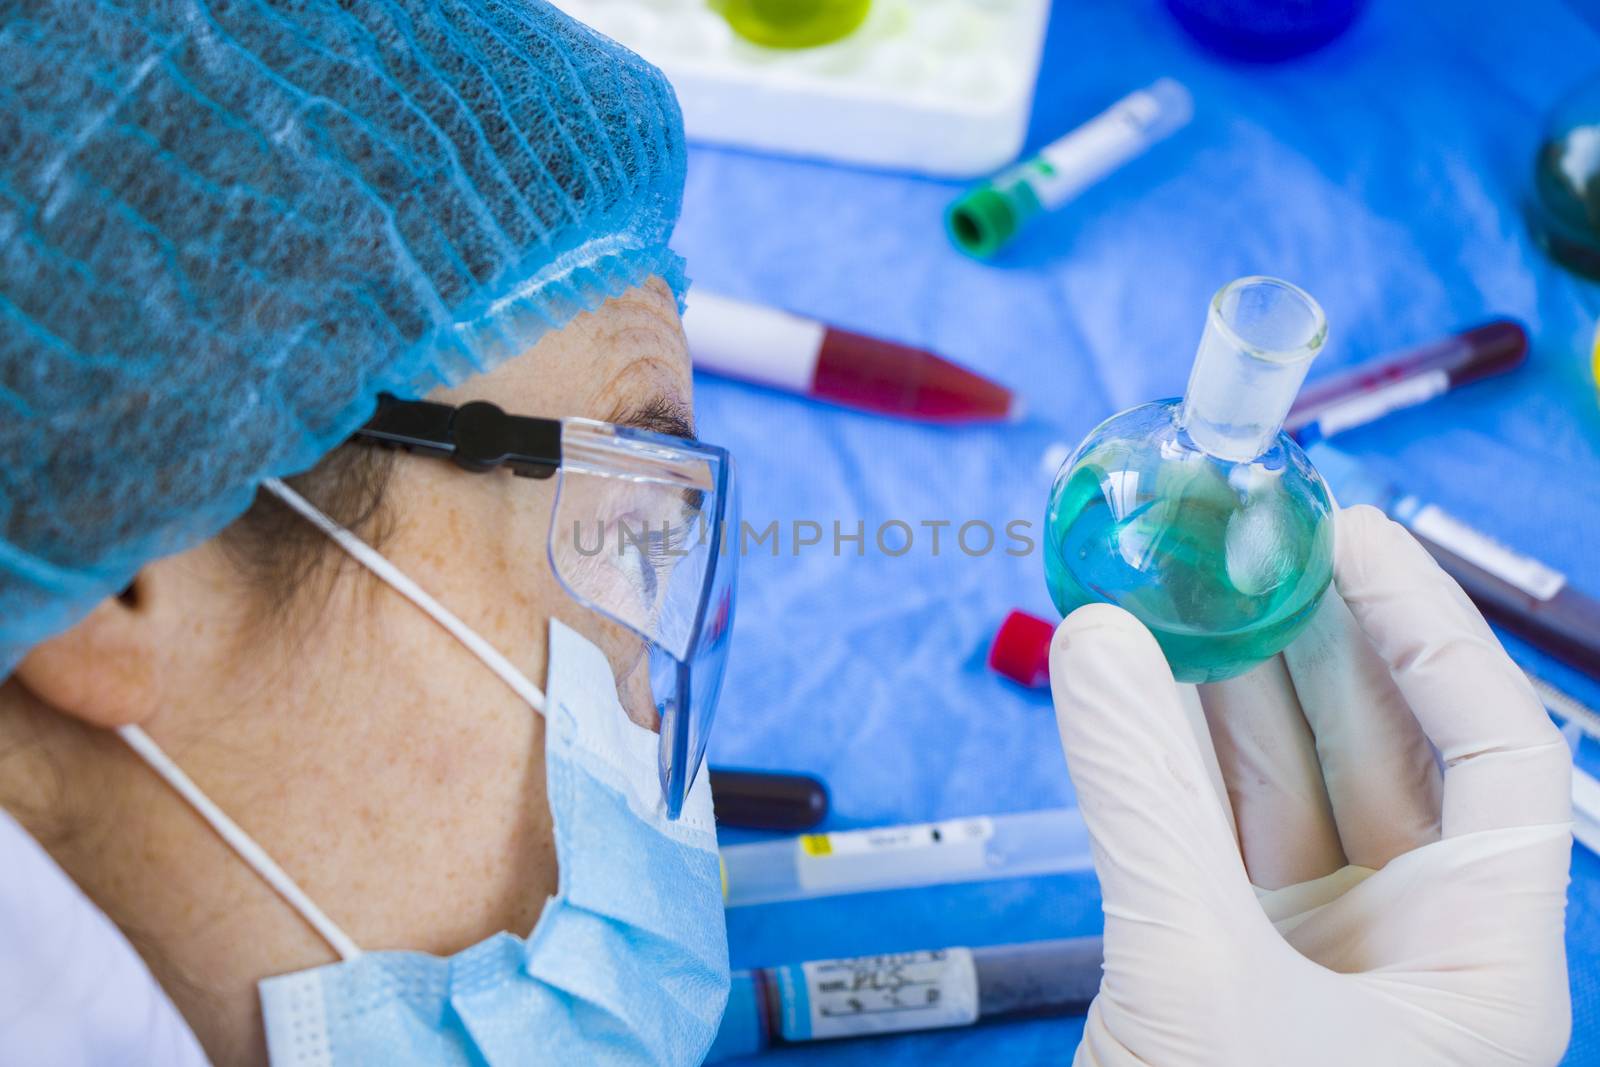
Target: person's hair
x=281, y=555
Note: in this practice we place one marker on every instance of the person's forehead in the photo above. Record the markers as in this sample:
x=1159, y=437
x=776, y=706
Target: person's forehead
x=641, y=369
x=626, y=362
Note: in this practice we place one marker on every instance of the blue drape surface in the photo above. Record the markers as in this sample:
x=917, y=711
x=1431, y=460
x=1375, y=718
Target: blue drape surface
x=1385, y=174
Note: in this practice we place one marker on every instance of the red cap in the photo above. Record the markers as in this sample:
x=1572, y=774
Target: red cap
x=1021, y=649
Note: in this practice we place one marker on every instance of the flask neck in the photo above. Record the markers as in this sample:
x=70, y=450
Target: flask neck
x=1260, y=338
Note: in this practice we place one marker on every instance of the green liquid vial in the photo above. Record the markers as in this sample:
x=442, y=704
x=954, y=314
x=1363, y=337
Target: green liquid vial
x=793, y=23
x=1200, y=516
x=1565, y=213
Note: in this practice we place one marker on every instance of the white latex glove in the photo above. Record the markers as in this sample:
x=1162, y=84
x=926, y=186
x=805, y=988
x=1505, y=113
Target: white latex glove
x=1405, y=916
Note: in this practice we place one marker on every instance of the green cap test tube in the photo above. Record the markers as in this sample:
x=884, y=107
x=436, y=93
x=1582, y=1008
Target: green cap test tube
x=985, y=219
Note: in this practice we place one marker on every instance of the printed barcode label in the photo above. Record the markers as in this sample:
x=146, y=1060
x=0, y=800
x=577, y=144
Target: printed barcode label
x=878, y=994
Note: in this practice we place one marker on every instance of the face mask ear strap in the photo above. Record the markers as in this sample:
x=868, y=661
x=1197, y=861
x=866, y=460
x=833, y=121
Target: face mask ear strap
x=392, y=576
x=242, y=843
x=231, y=832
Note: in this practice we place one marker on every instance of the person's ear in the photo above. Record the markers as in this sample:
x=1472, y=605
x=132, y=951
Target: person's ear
x=105, y=670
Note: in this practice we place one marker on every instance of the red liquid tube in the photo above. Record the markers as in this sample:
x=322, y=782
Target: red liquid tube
x=766, y=346
x=1374, y=389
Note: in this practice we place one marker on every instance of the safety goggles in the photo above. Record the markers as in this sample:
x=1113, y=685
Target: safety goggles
x=637, y=535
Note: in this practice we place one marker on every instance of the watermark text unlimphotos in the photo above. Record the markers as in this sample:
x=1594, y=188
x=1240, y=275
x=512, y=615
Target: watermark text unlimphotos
x=795, y=537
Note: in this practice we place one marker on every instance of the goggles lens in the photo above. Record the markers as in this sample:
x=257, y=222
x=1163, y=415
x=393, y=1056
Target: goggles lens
x=637, y=535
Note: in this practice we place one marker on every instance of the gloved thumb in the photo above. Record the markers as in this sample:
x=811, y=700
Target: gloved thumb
x=1170, y=870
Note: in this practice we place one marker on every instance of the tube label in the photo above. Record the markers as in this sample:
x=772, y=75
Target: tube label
x=892, y=855
x=752, y=343
x=1529, y=575
x=877, y=994
x=1369, y=407
x=1105, y=142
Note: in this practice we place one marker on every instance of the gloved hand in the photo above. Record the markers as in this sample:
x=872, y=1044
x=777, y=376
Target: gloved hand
x=1354, y=900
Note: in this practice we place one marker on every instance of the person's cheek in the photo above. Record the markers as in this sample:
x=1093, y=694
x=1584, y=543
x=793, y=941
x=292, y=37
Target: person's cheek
x=638, y=700
x=629, y=656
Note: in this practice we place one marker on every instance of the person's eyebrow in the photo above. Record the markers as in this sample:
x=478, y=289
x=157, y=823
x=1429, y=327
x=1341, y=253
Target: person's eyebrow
x=659, y=414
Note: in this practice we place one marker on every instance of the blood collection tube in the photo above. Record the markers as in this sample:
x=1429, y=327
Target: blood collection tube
x=1374, y=389
x=901, y=992
x=767, y=800
x=1020, y=845
x=774, y=348
x=983, y=220
x=1389, y=383
x=1532, y=600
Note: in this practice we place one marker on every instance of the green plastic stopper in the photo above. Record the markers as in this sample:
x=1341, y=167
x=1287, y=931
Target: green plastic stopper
x=983, y=221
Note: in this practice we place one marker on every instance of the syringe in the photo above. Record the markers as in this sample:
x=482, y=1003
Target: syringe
x=977, y=849
x=905, y=991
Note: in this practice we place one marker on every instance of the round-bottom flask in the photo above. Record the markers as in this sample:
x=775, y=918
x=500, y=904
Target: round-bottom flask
x=1200, y=516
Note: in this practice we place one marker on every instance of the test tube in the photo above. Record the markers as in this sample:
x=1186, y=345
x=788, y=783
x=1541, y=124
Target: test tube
x=1371, y=390
x=985, y=219
x=982, y=848
x=767, y=800
x=1527, y=597
x=906, y=991
x=774, y=348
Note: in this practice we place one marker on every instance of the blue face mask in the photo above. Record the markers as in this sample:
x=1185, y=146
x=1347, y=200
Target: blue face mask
x=628, y=963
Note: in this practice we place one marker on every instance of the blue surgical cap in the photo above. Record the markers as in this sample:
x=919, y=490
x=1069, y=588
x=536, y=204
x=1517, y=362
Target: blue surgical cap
x=226, y=226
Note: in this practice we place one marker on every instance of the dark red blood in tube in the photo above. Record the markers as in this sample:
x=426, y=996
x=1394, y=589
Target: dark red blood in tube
x=895, y=379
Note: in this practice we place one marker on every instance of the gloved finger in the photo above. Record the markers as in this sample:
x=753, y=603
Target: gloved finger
x=1165, y=854
x=1382, y=779
x=1195, y=713
x=1269, y=764
x=1505, y=762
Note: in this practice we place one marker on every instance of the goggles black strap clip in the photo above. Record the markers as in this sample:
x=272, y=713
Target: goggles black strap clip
x=477, y=436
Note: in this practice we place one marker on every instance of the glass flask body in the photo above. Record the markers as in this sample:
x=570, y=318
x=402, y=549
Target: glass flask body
x=1224, y=561
x=1201, y=517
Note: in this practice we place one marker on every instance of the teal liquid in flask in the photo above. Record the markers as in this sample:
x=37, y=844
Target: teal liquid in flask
x=1200, y=516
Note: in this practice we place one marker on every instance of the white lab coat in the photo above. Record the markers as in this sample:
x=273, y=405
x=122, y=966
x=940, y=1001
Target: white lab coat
x=73, y=993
